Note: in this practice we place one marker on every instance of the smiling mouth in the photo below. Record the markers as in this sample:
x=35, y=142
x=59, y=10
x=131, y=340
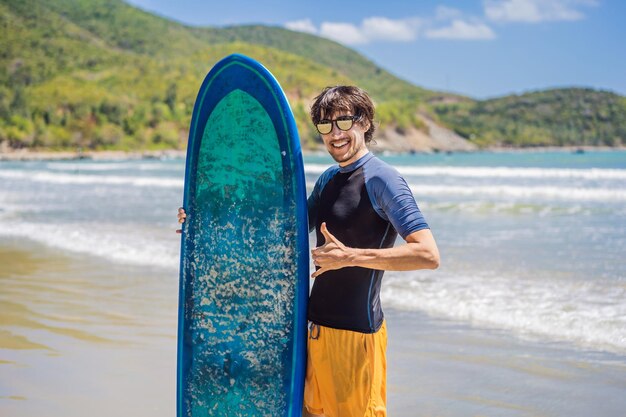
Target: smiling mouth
x=340, y=144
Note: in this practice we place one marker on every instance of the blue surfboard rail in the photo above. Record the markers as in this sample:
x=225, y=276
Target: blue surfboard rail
x=232, y=77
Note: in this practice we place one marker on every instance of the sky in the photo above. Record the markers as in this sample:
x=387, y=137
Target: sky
x=478, y=48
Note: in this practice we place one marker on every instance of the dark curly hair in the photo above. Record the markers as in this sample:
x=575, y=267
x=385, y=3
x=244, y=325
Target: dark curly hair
x=345, y=98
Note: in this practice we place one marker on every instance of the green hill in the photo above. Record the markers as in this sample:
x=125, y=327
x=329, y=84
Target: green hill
x=558, y=117
x=101, y=74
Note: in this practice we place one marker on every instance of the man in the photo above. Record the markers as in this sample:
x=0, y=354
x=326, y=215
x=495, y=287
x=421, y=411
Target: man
x=357, y=209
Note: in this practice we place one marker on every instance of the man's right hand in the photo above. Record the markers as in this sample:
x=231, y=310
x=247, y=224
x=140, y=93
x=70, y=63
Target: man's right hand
x=181, y=218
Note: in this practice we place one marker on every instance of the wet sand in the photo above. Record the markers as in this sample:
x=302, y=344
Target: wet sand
x=440, y=368
x=80, y=335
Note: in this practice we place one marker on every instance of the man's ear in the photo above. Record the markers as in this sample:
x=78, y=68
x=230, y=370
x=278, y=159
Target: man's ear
x=365, y=124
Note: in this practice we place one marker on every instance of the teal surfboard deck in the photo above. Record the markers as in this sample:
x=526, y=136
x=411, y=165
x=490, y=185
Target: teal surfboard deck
x=244, y=250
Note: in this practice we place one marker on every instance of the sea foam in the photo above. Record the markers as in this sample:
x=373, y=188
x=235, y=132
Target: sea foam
x=589, y=314
x=113, y=242
x=66, y=178
x=523, y=192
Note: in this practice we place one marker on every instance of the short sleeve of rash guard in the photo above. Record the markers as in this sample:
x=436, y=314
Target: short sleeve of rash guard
x=393, y=200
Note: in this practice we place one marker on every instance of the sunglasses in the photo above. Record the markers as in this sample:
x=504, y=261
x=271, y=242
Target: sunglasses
x=342, y=122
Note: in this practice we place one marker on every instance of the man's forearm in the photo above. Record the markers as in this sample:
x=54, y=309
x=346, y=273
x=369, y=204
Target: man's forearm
x=419, y=252
x=401, y=258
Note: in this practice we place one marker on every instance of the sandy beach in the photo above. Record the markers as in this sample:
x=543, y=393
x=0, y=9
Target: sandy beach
x=80, y=334
x=439, y=368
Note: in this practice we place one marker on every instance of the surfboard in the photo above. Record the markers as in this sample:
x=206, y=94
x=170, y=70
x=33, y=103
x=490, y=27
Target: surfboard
x=244, y=250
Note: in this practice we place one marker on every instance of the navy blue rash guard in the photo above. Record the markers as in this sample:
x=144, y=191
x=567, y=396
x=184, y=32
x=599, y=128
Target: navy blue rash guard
x=365, y=205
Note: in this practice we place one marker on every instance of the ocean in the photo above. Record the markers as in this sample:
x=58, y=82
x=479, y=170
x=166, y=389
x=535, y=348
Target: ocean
x=533, y=250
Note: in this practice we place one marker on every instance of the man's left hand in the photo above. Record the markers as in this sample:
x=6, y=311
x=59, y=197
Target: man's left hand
x=331, y=255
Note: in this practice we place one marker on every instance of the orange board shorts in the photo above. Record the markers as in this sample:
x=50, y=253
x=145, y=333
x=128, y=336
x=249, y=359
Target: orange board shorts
x=346, y=373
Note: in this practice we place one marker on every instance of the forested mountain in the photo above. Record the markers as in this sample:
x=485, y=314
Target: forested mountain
x=101, y=74
x=571, y=116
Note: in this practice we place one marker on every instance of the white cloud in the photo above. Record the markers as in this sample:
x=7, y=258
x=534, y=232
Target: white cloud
x=462, y=30
x=371, y=29
x=381, y=28
x=533, y=11
x=346, y=33
x=447, y=23
x=304, y=25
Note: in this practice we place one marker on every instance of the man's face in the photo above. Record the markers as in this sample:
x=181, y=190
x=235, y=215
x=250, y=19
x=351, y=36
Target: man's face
x=345, y=146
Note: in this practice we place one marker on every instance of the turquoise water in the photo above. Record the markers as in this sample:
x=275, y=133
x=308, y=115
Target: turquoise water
x=539, y=159
x=532, y=244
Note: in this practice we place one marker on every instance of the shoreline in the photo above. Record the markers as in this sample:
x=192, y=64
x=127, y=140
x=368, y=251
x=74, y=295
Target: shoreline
x=28, y=155
x=37, y=155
